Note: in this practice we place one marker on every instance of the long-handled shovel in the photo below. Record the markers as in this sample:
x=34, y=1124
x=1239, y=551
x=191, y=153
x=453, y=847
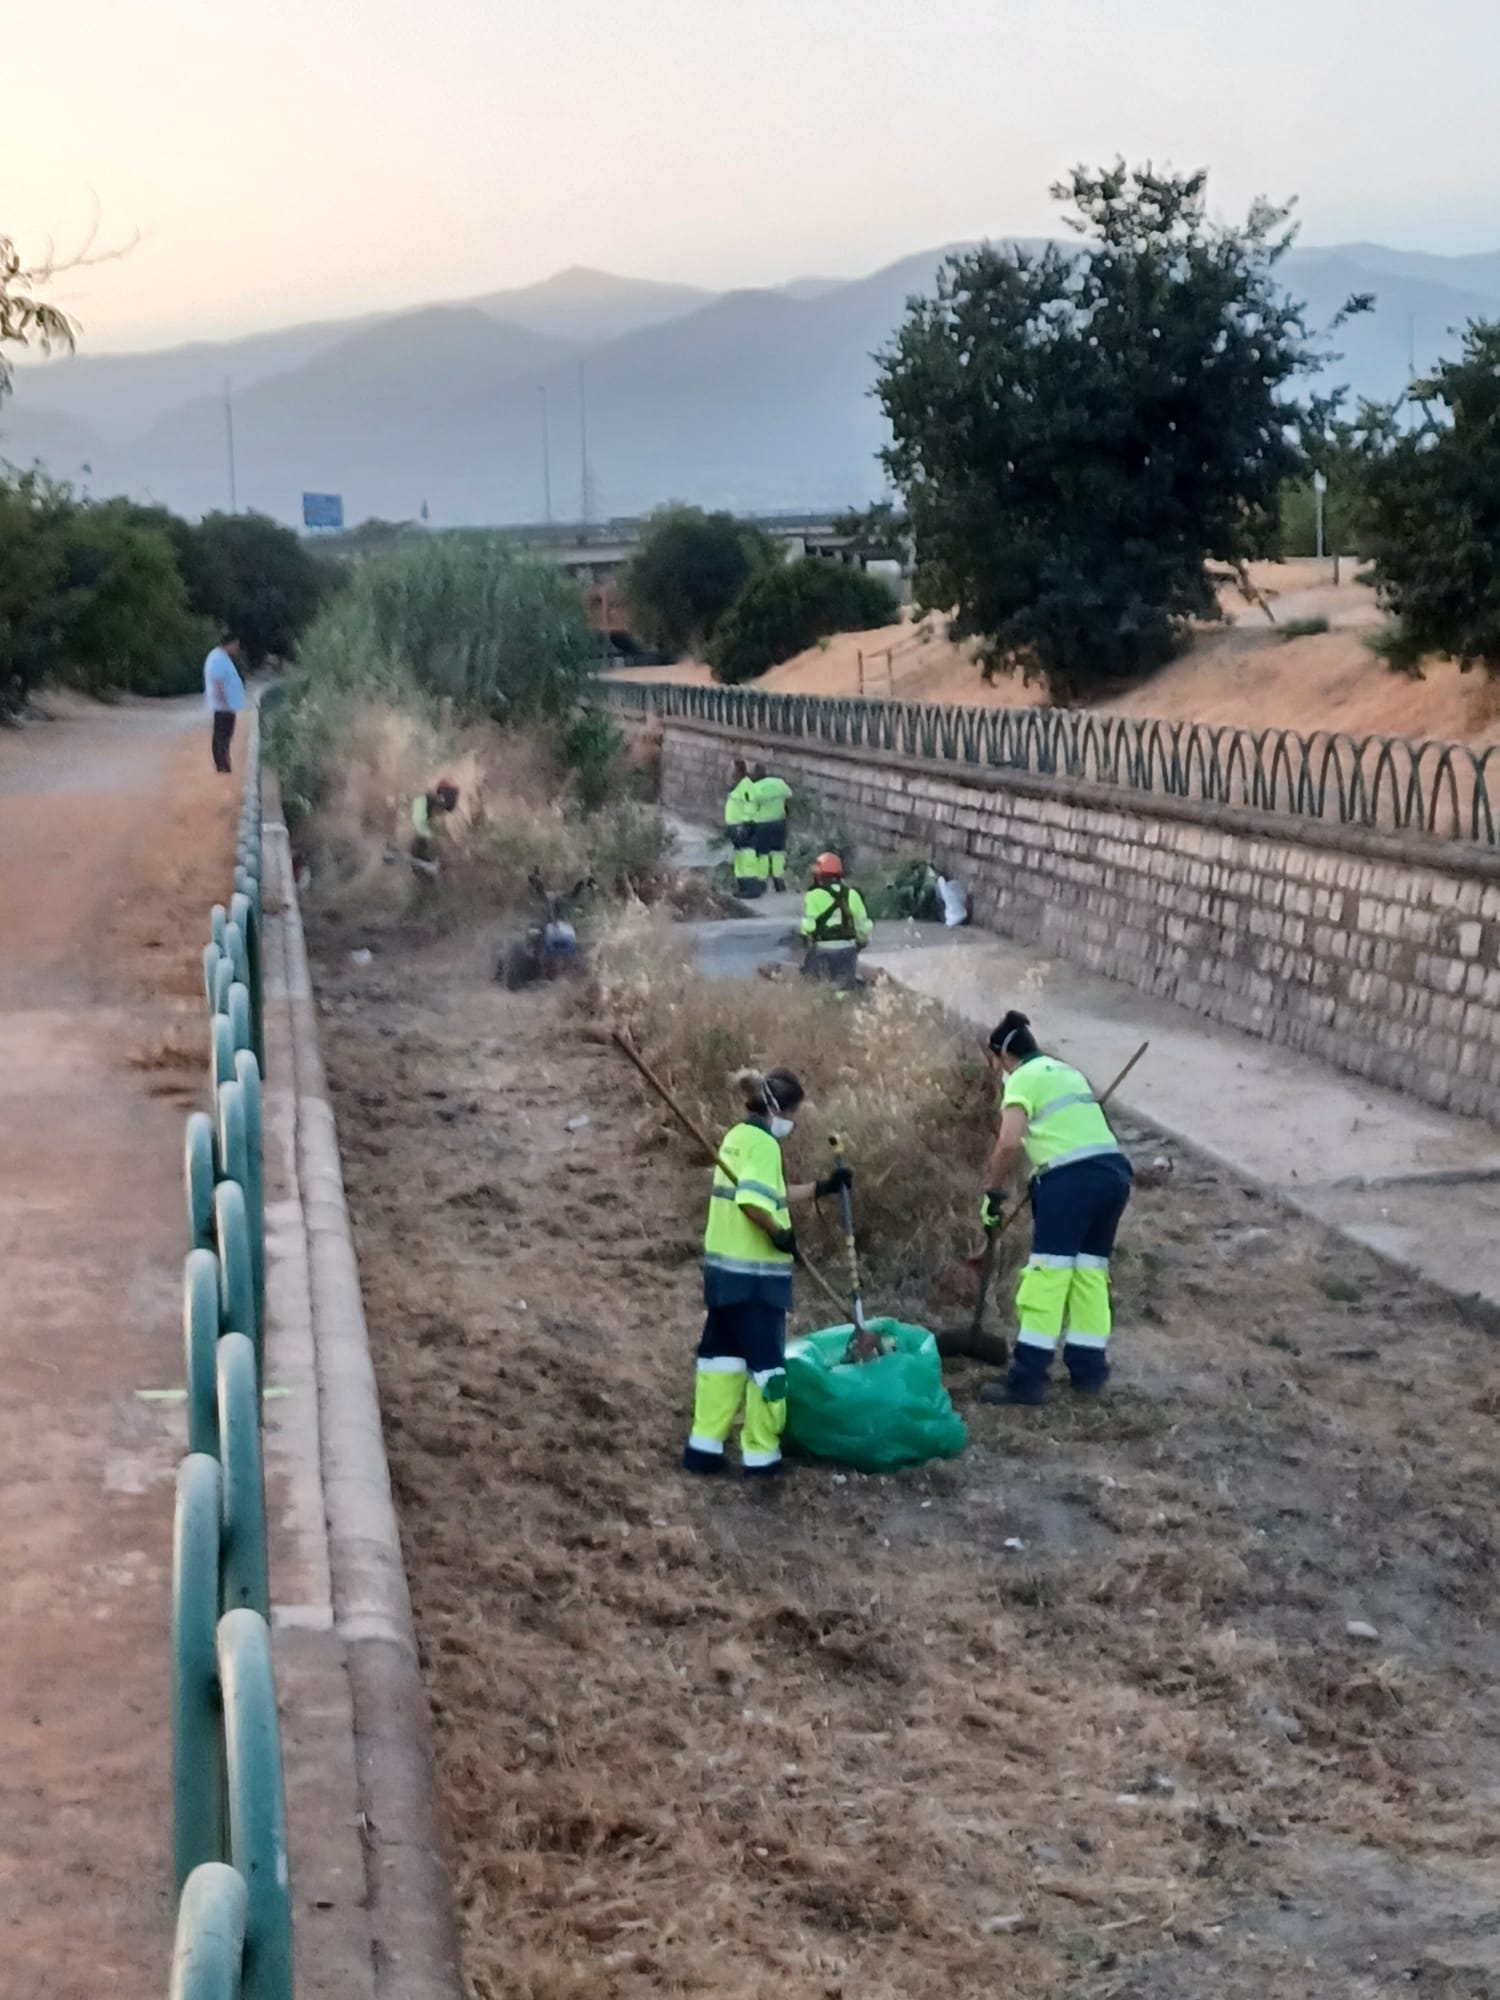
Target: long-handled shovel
x=972, y=1341
x=863, y=1344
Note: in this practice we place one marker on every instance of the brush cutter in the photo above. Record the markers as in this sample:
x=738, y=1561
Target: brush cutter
x=972, y=1342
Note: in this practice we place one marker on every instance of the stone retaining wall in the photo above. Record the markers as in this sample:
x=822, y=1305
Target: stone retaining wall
x=1380, y=954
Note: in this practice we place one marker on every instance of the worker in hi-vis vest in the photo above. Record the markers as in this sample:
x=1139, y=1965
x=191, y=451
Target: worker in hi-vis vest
x=739, y=825
x=769, y=798
x=748, y=1253
x=1080, y=1183
x=427, y=808
x=835, y=925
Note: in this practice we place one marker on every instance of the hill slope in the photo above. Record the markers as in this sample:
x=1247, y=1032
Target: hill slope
x=757, y=400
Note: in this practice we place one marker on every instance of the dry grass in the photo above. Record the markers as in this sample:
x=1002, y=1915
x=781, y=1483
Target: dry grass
x=902, y=1083
x=516, y=816
x=848, y=1743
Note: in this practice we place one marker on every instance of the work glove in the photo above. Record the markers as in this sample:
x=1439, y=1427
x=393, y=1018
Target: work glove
x=992, y=1209
x=834, y=1183
x=784, y=1240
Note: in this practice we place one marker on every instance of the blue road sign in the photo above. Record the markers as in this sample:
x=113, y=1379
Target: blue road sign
x=322, y=510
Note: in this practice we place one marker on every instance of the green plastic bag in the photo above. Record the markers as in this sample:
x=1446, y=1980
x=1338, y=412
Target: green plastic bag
x=873, y=1415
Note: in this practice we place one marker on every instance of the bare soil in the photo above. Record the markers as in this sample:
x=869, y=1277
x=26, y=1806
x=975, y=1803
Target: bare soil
x=1078, y=1713
x=1245, y=675
x=116, y=835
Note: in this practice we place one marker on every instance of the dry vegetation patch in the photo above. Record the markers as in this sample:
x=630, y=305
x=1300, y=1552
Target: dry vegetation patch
x=1077, y=1713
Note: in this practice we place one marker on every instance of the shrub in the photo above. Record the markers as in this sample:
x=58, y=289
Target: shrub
x=1301, y=628
x=903, y=1083
x=499, y=635
x=786, y=610
x=687, y=572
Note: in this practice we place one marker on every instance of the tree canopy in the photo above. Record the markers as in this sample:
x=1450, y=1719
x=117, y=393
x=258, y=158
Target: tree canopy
x=1078, y=432
x=688, y=570
x=787, y=609
x=1431, y=512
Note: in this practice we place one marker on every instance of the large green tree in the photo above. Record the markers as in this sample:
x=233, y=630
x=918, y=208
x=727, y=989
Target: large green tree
x=254, y=576
x=1431, y=512
x=1077, y=433
x=688, y=570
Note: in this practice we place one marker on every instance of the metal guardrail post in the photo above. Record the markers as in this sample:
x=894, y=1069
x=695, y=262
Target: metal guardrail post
x=211, y=957
x=209, y=1953
x=247, y=915
x=200, y=1171
x=241, y=1021
x=244, y=1577
x=236, y=951
x=247, y=1075
x=200, y=1341
x=257, y=1808
x=221, y=1048
x=236, y=1268
x=218, y=999
x=218, y=917
x=198, y=1830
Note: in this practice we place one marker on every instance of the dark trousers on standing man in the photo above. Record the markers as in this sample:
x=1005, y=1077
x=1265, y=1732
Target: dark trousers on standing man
x=223, y=737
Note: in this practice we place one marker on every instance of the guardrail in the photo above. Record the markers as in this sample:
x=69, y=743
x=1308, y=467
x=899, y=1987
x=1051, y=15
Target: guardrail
x=234, y=1920
x=1391, y=784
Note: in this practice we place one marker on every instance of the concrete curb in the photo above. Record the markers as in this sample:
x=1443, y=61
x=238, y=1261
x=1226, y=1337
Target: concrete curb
x=409, y=1897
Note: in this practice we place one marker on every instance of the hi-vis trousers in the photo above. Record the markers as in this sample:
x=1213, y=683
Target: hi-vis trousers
x=741, y=1359
x=1064, y=1289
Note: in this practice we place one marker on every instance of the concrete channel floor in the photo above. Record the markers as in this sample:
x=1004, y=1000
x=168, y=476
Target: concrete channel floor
x=1412, y=1183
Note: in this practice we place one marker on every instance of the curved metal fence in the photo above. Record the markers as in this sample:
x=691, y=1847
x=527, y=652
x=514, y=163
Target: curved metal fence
x=1391, y=784
x=234, y=1919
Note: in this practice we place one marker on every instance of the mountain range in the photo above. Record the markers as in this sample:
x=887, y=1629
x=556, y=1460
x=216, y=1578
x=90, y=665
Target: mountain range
x=645, y=392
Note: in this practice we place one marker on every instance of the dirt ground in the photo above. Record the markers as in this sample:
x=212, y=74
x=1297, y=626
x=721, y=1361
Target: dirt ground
x=1243, y=675
x=116, y=835
x=1083, y=1712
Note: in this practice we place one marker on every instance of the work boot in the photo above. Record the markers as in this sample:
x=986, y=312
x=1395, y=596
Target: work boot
x=704, y=1462
x=1088, y=1369
x=1025, y=1381
x=779, y=886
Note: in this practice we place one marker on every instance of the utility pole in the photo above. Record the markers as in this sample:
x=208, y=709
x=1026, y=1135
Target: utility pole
x=584, y=483
x=541, y=389
x=1411, y=347
x=234, y=505
x=1320, y=487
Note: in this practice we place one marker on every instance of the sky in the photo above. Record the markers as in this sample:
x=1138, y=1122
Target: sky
x=273, y=161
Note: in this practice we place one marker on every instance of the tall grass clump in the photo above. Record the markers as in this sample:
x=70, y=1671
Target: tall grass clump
x=457, y=655
x=899, y=1080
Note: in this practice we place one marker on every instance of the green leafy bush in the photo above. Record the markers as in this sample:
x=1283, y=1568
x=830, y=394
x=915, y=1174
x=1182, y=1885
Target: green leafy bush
x=783, y=611
x=687, y=572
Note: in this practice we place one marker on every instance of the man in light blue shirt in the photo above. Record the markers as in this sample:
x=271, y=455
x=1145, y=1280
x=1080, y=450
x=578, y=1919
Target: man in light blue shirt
x=223, y=694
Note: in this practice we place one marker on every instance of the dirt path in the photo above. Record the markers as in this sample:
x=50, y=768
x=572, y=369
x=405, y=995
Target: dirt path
x=114, y=840
x=1076, y=1714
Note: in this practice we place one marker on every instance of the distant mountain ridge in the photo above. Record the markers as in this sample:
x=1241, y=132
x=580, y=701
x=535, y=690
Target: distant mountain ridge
x=755, y=399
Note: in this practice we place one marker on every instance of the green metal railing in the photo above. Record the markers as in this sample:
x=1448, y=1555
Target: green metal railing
x=1386, y=783
x=234, y=1924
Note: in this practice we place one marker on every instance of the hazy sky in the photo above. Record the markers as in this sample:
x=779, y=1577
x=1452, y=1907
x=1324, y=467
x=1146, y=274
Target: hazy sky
x=295, y=159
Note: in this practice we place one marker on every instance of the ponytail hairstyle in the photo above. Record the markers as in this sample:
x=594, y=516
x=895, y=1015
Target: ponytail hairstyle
x=773, y=1094
x=1013, y=1036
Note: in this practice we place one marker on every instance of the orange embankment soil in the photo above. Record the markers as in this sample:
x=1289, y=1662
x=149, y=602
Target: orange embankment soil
x=1243, y=674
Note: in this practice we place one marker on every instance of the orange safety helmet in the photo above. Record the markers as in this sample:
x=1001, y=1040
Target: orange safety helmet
x=828, y=865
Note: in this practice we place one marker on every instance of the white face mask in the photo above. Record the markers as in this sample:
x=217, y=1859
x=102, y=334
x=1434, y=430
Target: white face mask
x=781, y=1128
